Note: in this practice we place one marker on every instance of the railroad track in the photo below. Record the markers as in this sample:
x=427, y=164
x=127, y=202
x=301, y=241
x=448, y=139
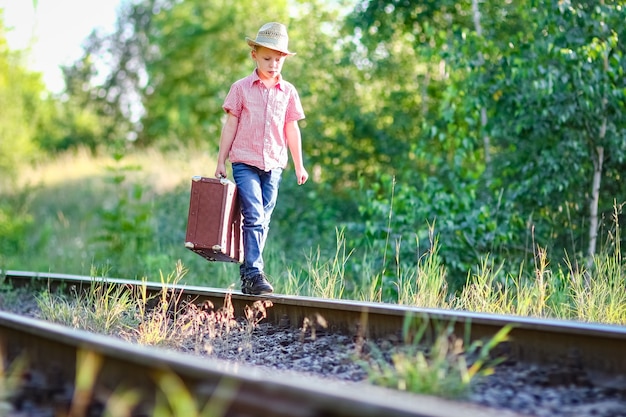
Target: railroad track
x=598, y=349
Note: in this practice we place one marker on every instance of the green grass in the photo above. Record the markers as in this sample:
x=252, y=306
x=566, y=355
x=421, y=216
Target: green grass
x=68, y=209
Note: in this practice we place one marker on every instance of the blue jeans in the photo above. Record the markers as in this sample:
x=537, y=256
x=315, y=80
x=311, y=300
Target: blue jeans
x=258, y=191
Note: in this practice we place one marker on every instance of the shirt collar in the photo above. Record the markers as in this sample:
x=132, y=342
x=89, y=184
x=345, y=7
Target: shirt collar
x=256, y=78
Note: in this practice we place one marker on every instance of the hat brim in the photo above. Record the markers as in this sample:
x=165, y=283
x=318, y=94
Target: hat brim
x=252, y=43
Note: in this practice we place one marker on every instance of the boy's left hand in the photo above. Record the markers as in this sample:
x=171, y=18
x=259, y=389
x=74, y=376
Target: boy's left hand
x=302, y=175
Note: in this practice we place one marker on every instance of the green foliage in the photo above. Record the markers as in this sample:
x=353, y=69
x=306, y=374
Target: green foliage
x=518, y=116
x=557, y=96
x=125, y=231
x=166, y=64
x=192, y=45
x=394, y=215
x=70, y=125
x=15, y=220
x=94, y=114
x=19, y=100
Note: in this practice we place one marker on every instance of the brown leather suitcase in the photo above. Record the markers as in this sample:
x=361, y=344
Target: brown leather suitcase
x=214, y=221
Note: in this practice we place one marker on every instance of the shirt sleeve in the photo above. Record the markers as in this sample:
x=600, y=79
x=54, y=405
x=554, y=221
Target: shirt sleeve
x=294, y=107
x=233, y=102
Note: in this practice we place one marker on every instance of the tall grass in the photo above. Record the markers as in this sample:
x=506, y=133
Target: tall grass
x=599, y=295
x=424, y=284
x=158, y=321
x=326, y=278
x=538, y=291
x=102, y=308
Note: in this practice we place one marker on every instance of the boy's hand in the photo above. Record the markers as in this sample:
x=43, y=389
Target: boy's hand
x=301, y=175
x=220, y=171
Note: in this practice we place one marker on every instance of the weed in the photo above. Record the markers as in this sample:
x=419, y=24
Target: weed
x=598, y=295
x=126, y=228
x=425, y=285
x=327, y=278
x=157, y=323
x=439, y=368
x=103, y=308
x=294, y=284
x=484, y=292
x=208, y=326
x=58, y=309
x=201, y=328
x=255, y=314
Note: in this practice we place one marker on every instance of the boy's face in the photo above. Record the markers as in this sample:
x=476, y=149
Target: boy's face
x=269, y=62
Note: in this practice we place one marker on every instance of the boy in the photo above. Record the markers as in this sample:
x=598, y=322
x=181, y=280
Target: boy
x=261, y=124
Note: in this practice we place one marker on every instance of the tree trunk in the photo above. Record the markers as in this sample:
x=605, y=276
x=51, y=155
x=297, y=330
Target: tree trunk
x=597, y=158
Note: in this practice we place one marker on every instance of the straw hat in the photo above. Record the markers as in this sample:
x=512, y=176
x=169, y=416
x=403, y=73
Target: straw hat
x=273, y=36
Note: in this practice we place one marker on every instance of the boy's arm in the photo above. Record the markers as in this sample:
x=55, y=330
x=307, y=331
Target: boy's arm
x=226, y=141
x=294, y=141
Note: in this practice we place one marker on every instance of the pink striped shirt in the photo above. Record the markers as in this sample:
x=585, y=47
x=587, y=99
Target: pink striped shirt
x=262, y=112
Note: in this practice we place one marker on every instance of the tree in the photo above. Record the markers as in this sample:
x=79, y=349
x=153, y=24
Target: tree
x=559, y=120
x=539, y=83
x=102, y=98
x=168, y=67
x=451, y=45
x=20, y=92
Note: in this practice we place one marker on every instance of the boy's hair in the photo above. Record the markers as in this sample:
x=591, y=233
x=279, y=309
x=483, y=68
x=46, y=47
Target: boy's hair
x=255, y=48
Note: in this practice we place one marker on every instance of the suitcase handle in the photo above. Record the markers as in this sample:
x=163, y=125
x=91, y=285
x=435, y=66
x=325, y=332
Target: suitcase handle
x=224, y=180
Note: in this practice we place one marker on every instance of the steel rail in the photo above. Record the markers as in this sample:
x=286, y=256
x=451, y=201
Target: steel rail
x=53, y=351
x=596, y=348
